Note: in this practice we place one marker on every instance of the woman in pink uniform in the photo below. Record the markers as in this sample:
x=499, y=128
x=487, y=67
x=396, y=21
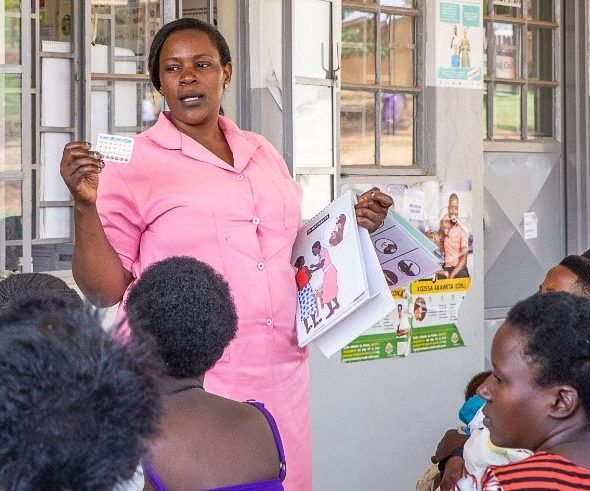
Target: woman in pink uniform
x=198, y=185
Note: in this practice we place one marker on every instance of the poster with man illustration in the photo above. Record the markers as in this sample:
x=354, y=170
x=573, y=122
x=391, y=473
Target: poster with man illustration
x=426, y=314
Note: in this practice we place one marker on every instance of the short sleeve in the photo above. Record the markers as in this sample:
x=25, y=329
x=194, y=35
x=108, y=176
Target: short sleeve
x=119, y=215
x=489, y=482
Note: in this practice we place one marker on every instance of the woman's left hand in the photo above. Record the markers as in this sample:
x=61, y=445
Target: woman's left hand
x=371, y=209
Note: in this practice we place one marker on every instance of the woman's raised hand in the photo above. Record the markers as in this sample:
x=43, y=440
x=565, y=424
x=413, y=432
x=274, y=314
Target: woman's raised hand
x=79, y=169
x=371, y=209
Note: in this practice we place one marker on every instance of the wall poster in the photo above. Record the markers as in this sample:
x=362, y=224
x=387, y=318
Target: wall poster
x=459, y=38
x=426, y=314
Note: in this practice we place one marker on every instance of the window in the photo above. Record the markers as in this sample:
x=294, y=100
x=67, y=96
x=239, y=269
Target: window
x=381, y=86
x=519, y=59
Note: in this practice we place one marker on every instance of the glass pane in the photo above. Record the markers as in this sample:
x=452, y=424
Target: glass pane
x=52, y=257
x=507, y=111
x=486, y=135
x=485, y=48
x=11, y=210
x=313, y=126
x=507, y=41
x=357, y=128
x=397, y=50
x=119, y=107
x=397, y=129
x=54, y=223
x=358, y=47
x=135, y=25
x=540, y=115
x=56, y=87
x=196, y=9
x=317, y=193
x=397, y=3
x=132, y=32
x=10, y=24
x=10, y=123
x=52, y=186
x=56, y=23
x=13, y=258
x=541, y=10
x=540, y=55
x=506, y=10
x=313, y=31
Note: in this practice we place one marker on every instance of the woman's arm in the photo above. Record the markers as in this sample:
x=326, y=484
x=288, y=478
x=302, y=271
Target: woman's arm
x=96, y=266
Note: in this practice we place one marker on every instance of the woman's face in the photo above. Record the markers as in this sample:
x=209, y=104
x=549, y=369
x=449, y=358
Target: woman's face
x=515, y=404
x=192, y=77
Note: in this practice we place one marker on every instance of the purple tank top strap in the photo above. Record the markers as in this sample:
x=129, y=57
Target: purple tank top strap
x=277, y=436
x=152, y=476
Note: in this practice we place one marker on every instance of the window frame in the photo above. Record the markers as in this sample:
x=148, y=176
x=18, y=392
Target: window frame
x=523, y=81
x=418, y=166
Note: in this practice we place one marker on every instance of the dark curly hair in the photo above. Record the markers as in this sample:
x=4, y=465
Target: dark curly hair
x=580, y=266
x=182, y=25
x=20, y=285
x=187, y=307
x=76, y=407
x=557, y=328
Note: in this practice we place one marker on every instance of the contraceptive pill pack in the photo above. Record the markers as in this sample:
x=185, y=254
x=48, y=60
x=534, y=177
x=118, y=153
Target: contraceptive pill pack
x=115, y=148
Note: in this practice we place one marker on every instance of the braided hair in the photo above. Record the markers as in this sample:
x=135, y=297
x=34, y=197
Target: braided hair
x=22, y=285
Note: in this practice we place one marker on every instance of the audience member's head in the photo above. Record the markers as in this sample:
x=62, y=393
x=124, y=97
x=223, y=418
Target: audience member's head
x=571, y=275
x=76, y=407
x=187, y=307
x=475, y=382
x=540, y=384
x=17, y=286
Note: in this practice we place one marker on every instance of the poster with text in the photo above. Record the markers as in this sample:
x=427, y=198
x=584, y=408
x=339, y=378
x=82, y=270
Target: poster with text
x=459, y=38
x=426, y=314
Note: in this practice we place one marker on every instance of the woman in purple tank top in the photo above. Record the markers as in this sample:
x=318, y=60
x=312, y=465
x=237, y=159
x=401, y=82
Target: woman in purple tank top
x=206, y=442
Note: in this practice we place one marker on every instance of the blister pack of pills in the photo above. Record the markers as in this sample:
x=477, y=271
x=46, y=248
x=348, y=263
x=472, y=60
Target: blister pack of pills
x=115, y=148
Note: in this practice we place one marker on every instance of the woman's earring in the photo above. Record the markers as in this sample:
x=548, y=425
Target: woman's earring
x=225, y=85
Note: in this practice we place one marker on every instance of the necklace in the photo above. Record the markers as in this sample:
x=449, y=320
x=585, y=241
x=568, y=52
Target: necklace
x=186, y=387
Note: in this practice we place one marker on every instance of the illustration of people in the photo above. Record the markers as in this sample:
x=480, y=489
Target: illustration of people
x=465, y=50
x=454, y=35
x=338, y=233
x=420, y=309
x=455, y=58
x=403, y=325
x=330, y=283
x=390, y=277
x=386, y=246
x=455, y=244
x=305, y=294
x=409, y=268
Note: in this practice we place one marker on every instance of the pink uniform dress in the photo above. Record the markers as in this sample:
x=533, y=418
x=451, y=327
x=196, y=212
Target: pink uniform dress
x=330, y=283
x=177, y=198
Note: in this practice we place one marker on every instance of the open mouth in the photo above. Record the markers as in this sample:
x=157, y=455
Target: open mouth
x=191, y=99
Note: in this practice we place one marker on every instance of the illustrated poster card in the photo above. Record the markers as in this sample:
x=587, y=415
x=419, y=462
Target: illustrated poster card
x=330, y=274
x=426, y=316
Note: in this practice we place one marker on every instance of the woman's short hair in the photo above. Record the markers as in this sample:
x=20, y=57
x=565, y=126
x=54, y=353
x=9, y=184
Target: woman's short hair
x=187, y=307
x=77, y=408
x=184, y=24
x=580, y=266
x=557, y=328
